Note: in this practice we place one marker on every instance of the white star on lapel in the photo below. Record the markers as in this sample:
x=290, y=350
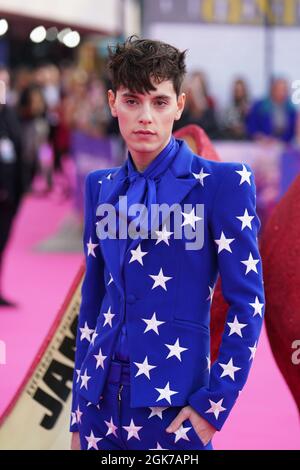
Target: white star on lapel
x=246, y=219
x=100, y=359
x=175, y=350
x=257, y=307
x=224, y=243
x=245, y=175
x=91, y=247
x=108, y=317
x=137, y=255
x=152, y=324
x=216, y=407
x=201, y=176
x=144, y=368
x=181, y=433
x=250, y=263
x=84, y=379
x=86, y=333
x=111, y=427
x=93, y=440
x=165, y=393
x=229, y=369
x=157, y=411
x=163, y=235
x=190, y=219
x=160, y=280
x=132, y=430
x=253, y=350
x=236, y=327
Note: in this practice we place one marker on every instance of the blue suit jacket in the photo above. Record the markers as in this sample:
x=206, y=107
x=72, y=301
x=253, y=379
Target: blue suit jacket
x=178, y=347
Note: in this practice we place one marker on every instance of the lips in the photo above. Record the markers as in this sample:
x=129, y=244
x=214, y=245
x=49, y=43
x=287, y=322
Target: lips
x=144, y=132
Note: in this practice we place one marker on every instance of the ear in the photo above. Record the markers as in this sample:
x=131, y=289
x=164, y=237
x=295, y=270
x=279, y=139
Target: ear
x=180, y=106
x=111, y=97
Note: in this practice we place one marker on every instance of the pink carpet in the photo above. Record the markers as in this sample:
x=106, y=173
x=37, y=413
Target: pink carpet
x=265, y=416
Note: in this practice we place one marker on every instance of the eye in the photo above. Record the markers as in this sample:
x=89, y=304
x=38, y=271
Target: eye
x=131, y=101
x=161, y=103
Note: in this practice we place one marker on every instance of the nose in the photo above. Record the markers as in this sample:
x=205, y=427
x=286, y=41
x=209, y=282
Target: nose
x=145, y=116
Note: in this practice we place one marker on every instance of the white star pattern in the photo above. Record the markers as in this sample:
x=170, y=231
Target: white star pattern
x=216, y=407
x=78, y=415
x=110, y=280
x=86, y=332
x=74, y=419
x=165, y=393
x=158, y=447
x=137, y=255
x=100, y=359
x=84, y=379
x=160, y=280
x=144, y=368
x=229, y=369
x=157, y=411
x=257, y=307
x=224, y=243
x=236, y=327
x=250, y=263
x=91, y=247
x=133, y=430
x=190, y=219
x=211, y=293
x=201, y=176
x=152, y=324
x=245, y=175
x=108, y=317
x=253, y=350
x=94, y=337
x=163, y=235
x=111, y=427
x=181, y=433
x=92, y=441
x=246, y=219
x=175, y=350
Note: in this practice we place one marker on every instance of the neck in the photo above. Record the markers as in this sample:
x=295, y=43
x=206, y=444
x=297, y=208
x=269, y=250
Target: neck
x=142, y=160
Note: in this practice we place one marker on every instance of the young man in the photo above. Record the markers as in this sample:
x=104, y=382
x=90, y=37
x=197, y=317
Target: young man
x=142, y=369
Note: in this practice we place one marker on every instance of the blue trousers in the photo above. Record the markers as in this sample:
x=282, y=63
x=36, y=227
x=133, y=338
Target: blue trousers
x=113, y=425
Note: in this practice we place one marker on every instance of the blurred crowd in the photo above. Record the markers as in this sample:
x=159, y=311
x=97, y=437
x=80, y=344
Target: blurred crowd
x=46, y=104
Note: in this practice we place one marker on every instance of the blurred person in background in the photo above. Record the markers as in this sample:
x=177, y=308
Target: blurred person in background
x=274, y=116
x=11, y=187
x=200, y=106
x=35, y=132
x=234, y=120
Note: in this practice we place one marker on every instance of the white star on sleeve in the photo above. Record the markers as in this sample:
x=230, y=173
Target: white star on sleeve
x=137, y=255
x=224, y=243
x=216, y=408
x=250, y=263
x=246, y=219
x=253, y=350
x=78, y=415
x=133, y=430
x=175, y=350
x=181, y=433
x=108, y=317
x=257, y=307
x=201, y=176
x=74, y=419
x=165, y=393
x=229, y=369
x=84, y=379
x=160, y=280
x=100, y=359
x=144, y=368
x=91, y=247
x=92, y=441
x=236, y=327
x=245, y=175
x=152, y=324
x=86, y=333
x=190, y=218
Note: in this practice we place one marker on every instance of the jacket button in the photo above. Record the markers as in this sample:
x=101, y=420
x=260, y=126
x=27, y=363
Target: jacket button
x=131, y=298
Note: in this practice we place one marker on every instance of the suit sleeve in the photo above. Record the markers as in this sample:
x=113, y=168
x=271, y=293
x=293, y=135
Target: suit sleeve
x=234, y=226
x=92, y=293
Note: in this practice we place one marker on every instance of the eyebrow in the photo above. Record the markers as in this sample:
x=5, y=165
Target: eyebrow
x=128, y=94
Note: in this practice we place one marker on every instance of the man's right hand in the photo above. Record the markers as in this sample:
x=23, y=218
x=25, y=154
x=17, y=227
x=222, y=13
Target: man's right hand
x=75, y=441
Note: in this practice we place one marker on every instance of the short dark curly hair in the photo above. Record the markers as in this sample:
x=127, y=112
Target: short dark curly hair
x=135, y=62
